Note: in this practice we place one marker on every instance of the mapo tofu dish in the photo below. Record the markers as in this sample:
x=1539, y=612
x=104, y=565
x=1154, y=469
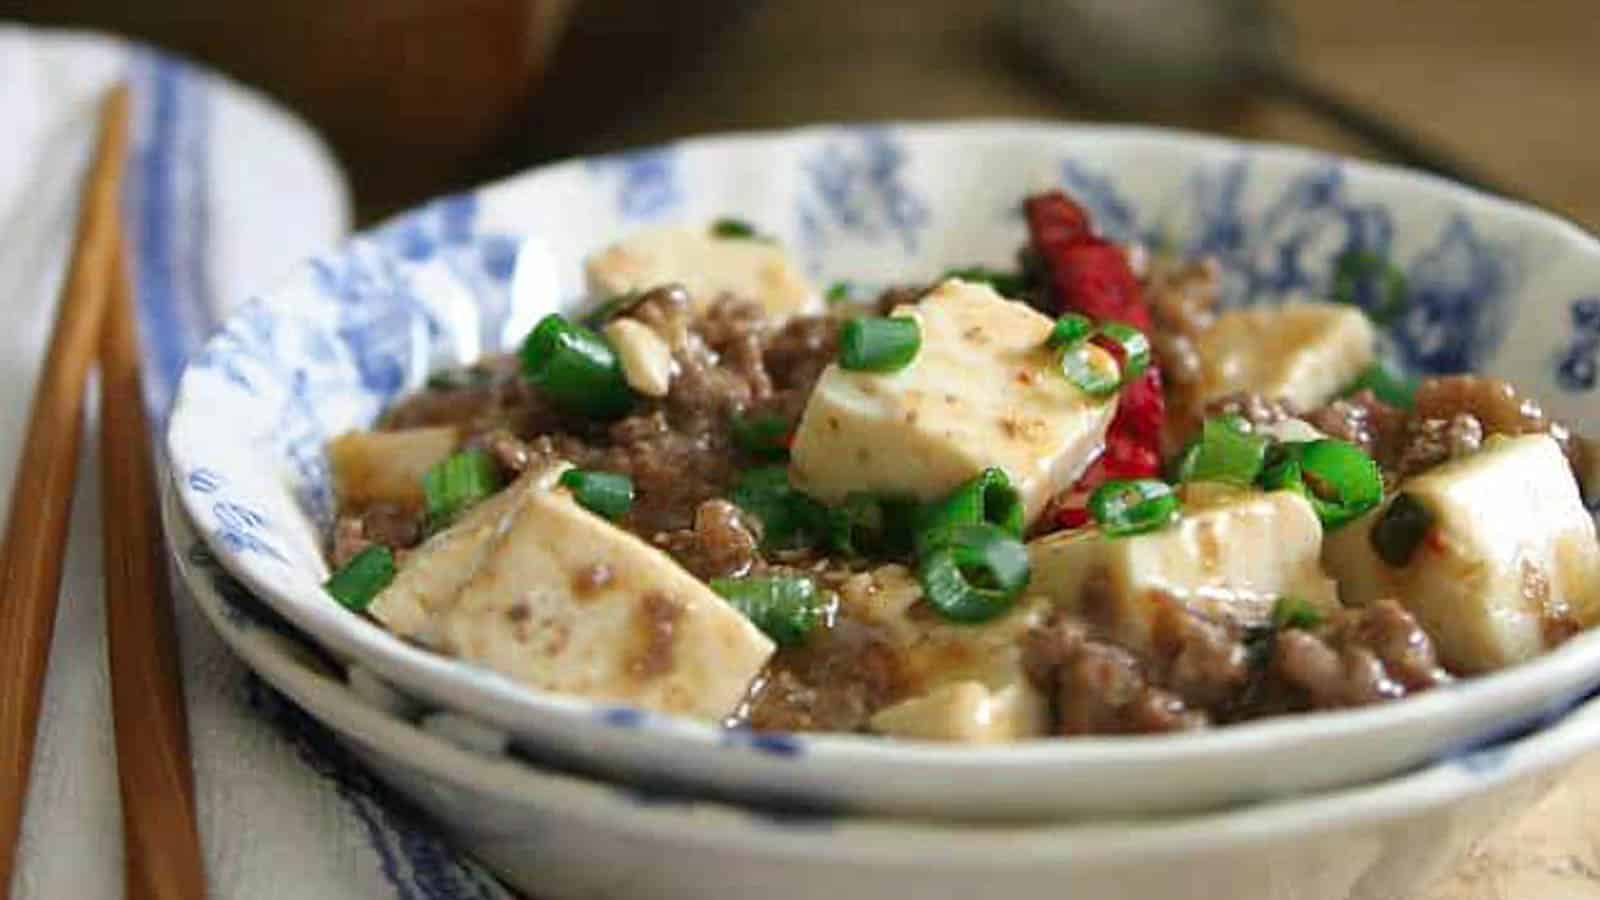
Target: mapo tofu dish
x=1076, y=497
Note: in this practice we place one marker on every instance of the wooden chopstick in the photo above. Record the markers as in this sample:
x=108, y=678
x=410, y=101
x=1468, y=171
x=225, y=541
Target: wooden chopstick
x=41, y=496
x=160, y=836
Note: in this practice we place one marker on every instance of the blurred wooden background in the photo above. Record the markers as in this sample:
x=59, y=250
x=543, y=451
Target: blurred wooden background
x=421, y=96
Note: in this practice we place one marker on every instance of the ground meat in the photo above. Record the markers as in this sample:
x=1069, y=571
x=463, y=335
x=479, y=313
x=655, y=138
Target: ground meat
x=386, y=524
x=1183, y=296
x=1495, y=403
x=1361, y=419
x=1362, y=656
x=900, y=295
x=666, y=310
x=1202, y=661
x=511, y=453
x=1097, y=687
x=1257, y=409
x=1428, y=442
x=828, y=685
x=721, y=544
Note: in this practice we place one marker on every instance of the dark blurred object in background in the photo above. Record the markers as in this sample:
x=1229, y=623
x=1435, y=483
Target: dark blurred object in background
x=421, y=96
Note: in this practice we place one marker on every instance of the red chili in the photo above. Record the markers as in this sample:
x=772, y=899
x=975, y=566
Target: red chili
x=1090, y=275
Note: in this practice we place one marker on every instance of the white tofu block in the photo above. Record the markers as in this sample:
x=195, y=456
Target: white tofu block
x=1509, y=567
x=431, y=577
x=707, y=266
x=982, y=391
x=968, y=712
x=386, y=466
x=567, y=602
x=1230, y=557
x=966, y=682
x=1301, y=352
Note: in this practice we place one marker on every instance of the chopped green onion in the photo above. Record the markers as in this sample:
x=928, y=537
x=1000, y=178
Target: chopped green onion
x=1085, y=369
x=766, y=436
x=879, y=345
x=986, y=498
x=1340, y=481
x=789, y=519
x=606, y=494
x=1225, y=452
x=734, y=229
x=1131, y=347
x=576, y=368
x=1124, y=508
x=839, y=292
x=458, y=379
x=872, y=525
x=1362, y=267
x=1069, y=331
x=1391, y=388
x=1401, y=529
x=610, y=308
x=972, y=572
x=1007, y=284
x=457, y=482
x=785, y=609
x=1293, y=612
x=362, y=578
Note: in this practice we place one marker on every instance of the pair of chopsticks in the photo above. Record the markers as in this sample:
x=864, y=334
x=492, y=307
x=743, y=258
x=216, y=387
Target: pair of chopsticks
x=96, y=320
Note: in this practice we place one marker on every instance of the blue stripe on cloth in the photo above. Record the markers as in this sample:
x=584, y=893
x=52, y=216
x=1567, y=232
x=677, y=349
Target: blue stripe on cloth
x=168, y=206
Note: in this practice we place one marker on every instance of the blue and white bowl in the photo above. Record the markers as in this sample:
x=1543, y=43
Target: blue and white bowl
x=557, y=836
x=1487, y=285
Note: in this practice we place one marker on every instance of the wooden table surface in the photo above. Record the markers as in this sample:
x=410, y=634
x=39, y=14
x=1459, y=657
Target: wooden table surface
x=1512, y=87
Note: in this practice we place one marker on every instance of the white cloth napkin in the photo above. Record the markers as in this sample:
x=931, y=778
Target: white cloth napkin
x=225, y=190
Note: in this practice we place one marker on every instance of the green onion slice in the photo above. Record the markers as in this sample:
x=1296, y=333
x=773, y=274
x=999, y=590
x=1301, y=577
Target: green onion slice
x=1131, y=347
x=789, y=519
x=454, y=484
x=785, y=609
x=879, y=345
x=870, y=525
x=1401, y=529
x=606, y=494
x=576, y=368
x=1070, y=330
x=766, y=436
x=1340, y=481
x=839, y=292
x=987, y=498
x=1393, y=389
x=1084, y=368
x=1224, y=452
x=734, y=229
x=1124, y=508
x=362, y=578
x=1293, y=612
x=972, y=572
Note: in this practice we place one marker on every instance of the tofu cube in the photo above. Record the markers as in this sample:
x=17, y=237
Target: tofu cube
x=564, y=601
x=1229, y=558
x=982, y=391
x=430, y=577
x=964, y=683
x=1509, y=566
x=386, y=466
x=707, y=266
x=969, y=712
x=1304, y=353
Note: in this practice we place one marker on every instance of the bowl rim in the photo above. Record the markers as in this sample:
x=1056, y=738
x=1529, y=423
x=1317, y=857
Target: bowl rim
x=464, y=685
x=704, y=822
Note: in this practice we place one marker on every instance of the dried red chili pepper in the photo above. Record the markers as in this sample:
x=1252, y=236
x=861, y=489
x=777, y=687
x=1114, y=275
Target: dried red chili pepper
x=1091, y=276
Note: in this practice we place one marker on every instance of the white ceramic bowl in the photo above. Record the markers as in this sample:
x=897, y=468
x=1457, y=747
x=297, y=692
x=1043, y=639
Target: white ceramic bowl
x=1490, y=285
x=558, y=836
